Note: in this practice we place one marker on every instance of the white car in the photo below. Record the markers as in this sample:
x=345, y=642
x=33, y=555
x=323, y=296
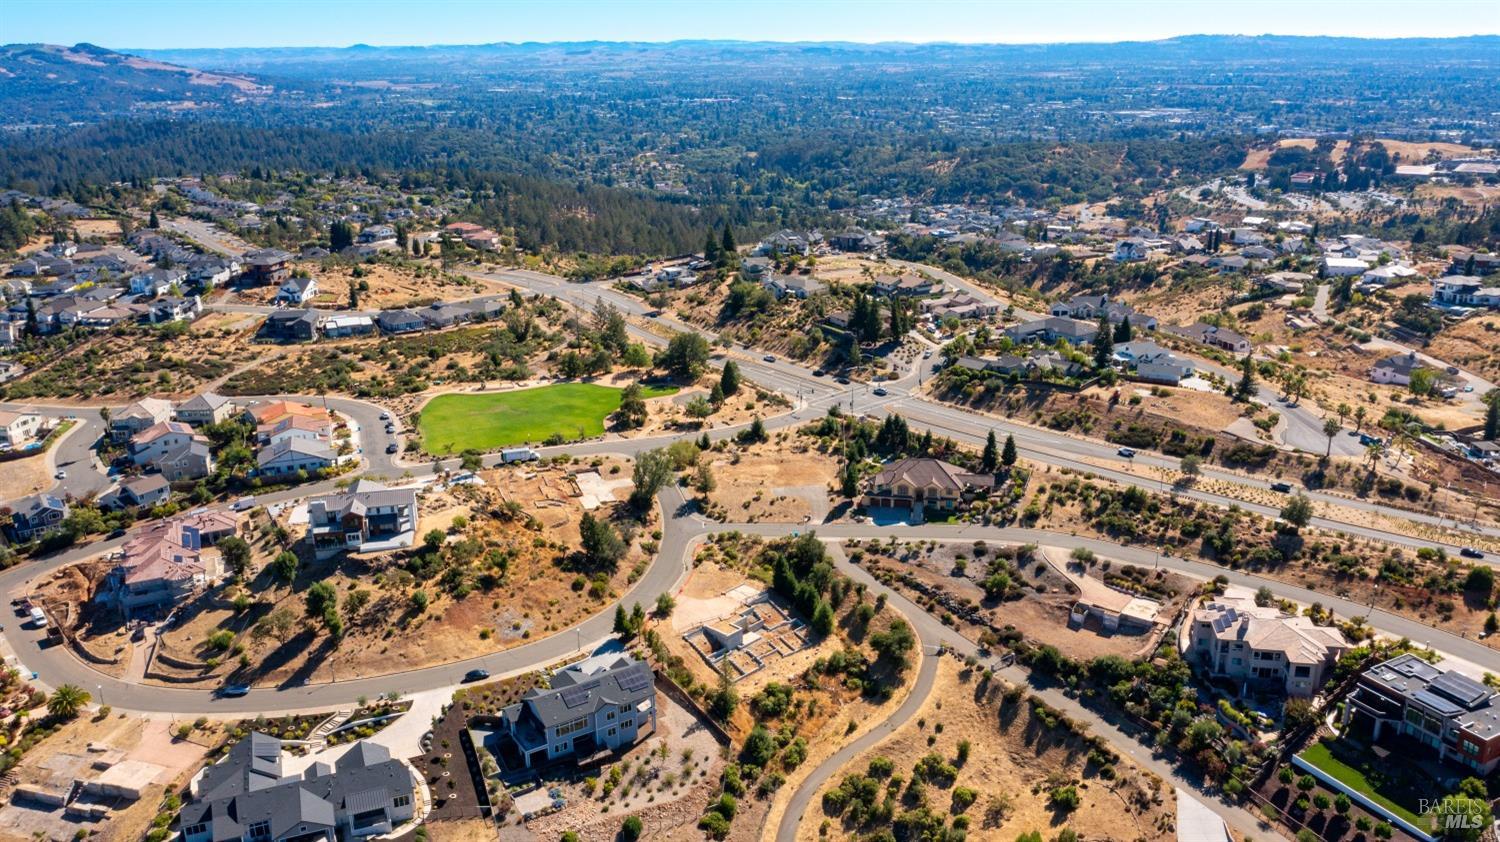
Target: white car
x=60, y=475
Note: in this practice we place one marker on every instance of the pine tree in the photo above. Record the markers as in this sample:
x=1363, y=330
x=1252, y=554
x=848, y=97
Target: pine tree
x=849, y=480
x=1247, y=379
x=991, y=457
x=353, y=295
x=1102, y=347
x=153, y=222
x=1123, y=331
x=711, y=248
x=622, y=621
x=727, y=243
x=729, y=381
x=1008, y=455
x=1492, y=417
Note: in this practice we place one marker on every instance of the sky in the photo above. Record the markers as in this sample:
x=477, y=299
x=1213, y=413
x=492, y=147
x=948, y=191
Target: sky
x=154, y=24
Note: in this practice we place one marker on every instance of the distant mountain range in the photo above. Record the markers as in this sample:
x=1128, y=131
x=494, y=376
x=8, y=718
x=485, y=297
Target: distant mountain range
x=49, y=81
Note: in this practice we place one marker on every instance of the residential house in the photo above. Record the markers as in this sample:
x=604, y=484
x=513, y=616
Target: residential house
x=1262, y=649
x=1438, y=708
x=336, y=327
x=290, y=326
x=204, y=409
x=210, y=272
x=1218, y=337
x=959, y=305
x=1131, y=249
x=483, y=239
x=755, y=268
x=909, y=285
x=147, y=490
x=921, y=483
x=267, y=266
x=138, y=416
x=249, y=796
x=1465, y=291
x=1246, y=237
x=1338, y=267
x=1229, y=263
x=306, y=427
x=1388, y=274
x=1200, y=224
x=796, y=286
x=1091, y=307
x=173, y=448
x=1476, y=263
x=17, y=429
x=1153, y=363
x=1285, y=282
x=368, y=517
x=787, y=242
x=296, y=291
x=854, y=240
x=1396, y=369
x=599, y=704
x=378, y=234
x=400, y=321
x=174, y=308
x=1053, y=328
x=168, y=562
x=35, y=516
x=157, y=281
x=290, y=457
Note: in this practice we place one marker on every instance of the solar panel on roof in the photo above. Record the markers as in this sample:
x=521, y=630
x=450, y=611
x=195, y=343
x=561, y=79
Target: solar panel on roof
x=574, y=696
x=1441, y=705
x=1460, y=688
x=635, y=680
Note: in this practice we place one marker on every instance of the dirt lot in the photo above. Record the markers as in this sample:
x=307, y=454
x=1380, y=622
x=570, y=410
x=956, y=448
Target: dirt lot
x=1471, y=344
x=782, y=480
x=1015, y=760
x=389, y=286
x=20, y=477
x=107, y=230
x=135, y=738
x=1040, y=612
x=504, y=579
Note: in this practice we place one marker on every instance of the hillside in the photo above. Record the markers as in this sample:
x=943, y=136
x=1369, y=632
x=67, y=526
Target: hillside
x=47, y=83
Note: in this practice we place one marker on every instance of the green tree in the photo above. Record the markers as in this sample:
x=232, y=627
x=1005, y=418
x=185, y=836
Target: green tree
x=1246, y=386
x=630, y=829
x=1123, y=331
x=724, y=699
x=652, y=470
x=321, y=598
x=340, y=236
x=632, y=412
x=1102, y=347
x=665, y=604
x=236, y=553
x=1492, y=415
x=991, y=456
x=685, y=355
x=729, y=381
x=622, y=625
x=849, y=479
x=284, y=566
x=602, y=545
x=419, y=601
x=67, y=701
x=822, y=619
x=726, y=244
x=1331, y=427
x=1298, y=511
x=1008, y=454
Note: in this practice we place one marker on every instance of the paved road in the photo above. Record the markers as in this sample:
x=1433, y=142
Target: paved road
x=207, y=235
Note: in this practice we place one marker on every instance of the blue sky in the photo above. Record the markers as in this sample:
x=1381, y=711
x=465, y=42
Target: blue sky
x=124, y=24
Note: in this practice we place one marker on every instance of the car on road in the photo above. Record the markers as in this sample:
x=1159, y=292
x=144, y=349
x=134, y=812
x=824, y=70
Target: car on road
x=880, y=391
x=476, y=675
x=770, y=358
x=1470, y=552
x=390, y=428
x=60, y=475
x=385, y=416
x=1127, y=452
x=234, y=691
x=842, y=381
x=926, y=355
x=391, y=448
x=1283, y=487
x=818, y=372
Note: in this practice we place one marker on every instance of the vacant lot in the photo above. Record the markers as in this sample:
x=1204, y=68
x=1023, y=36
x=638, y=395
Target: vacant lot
x=454, y=423
x=1016, y=758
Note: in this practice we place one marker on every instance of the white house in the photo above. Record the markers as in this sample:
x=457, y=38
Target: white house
x=296, y=291
x=18, y=428
x=1396, y=369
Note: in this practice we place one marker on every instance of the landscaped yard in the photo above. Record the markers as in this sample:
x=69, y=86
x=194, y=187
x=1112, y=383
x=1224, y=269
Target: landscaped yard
x=1389, y=791
x=455, y=423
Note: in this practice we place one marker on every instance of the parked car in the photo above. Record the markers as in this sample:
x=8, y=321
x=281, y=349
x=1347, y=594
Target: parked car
x=391, y=448
x=1127, y=452
x=818, y=372
x=476, y=675
x=518, y=454
x=1470, y=552
x=1283, y=487
x=385, y=416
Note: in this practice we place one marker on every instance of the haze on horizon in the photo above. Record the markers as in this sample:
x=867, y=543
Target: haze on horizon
x=184, y=24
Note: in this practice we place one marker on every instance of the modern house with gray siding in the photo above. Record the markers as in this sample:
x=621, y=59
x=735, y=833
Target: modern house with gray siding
x=599, y=704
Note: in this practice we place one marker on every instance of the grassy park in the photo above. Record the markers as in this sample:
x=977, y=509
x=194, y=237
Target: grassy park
x=455, y=423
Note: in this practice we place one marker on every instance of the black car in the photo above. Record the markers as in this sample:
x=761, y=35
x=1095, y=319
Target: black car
x=476, y=675
x=842, y=381
x=818, y=372
x=1470, y=552
x=233, y=691
x=1283, y=487
x=391, y=448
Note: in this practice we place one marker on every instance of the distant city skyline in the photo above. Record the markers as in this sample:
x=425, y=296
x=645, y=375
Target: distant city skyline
x=159, y=24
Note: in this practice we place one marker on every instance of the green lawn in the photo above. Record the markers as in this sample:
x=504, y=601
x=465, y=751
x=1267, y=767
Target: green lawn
x=1379, y=787
x=455, y=423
